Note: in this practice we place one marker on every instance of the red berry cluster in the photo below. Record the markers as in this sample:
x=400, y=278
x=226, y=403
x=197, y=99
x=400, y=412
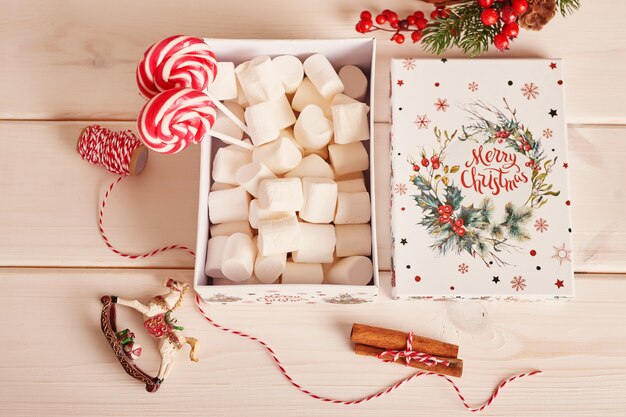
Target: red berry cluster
x=507, y=15
x=425, y=163
x=414, y=23
x=445, y=216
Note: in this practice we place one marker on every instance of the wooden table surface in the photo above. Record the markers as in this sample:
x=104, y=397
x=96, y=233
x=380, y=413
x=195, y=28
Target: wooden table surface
x=66, y=64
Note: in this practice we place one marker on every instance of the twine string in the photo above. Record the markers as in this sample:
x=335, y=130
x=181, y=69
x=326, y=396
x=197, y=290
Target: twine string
x=410, y=355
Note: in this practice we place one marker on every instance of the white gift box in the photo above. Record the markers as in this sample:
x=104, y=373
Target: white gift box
x=340, y=52
x=480, y=188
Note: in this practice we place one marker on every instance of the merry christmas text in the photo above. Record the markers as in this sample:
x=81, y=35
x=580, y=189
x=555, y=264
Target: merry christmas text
x=492, y=170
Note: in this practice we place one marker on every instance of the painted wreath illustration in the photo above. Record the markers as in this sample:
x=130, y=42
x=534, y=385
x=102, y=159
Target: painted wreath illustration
x=469, y=228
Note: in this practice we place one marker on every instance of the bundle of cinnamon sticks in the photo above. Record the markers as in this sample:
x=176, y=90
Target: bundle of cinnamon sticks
x=379, y=342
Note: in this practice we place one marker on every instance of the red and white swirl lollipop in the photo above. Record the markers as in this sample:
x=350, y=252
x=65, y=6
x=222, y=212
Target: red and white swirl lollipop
x=176, y=62
x=173, y=119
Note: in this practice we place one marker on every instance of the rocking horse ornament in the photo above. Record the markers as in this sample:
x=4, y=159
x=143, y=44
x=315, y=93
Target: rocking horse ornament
x=159, y=324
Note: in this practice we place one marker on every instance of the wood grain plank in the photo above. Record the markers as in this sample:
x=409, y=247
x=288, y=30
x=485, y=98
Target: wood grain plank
x=76, y=60
x=50, y=197
x=55, y=361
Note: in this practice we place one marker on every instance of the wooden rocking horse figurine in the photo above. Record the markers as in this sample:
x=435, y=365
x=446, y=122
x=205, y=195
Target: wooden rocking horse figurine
x=159, y=323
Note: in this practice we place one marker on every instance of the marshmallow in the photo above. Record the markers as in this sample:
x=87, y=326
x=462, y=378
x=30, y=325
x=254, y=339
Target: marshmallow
x=228, y=205
x=338, y=100
x=227, y=161
x=217, y=186
x=317, y=243
x=322, y=152
x=288, y=134
x=281, y=194
x=267, y=269
x=262, y=124
x=351, y=186
x=214, y=253
x=278, y=235
x=354, y=82
x=279, y=156
x=256, y=214
x=307, y=94
x=290, y=71
x=224, y=86
x=225, y=125
x=312, y=129
x=348, y=158
x=320, y=200
x=353, y=239
x=241, y=96
x=227, y=229
x=353, y=270
x=249, y=176
x=351, y=176
x=225, y=281
x=282, y=112
x=258, y=80
x=238, y=257
x=350, y=123
x=312, y=166
x=353, y=208
x=301, y=273
x=323, y=76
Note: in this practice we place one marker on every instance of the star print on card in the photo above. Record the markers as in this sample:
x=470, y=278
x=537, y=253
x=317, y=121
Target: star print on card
x=480, y=196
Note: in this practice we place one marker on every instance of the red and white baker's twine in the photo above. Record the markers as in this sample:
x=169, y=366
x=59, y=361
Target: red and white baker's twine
x=380, y=393
x=410, y=355
x=113, y=150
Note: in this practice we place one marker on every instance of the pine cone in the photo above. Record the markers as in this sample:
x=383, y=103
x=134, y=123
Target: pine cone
x=539, y=13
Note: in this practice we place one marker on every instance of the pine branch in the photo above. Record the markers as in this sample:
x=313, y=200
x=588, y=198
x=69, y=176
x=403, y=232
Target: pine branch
x=568, y=6
x=463, y=28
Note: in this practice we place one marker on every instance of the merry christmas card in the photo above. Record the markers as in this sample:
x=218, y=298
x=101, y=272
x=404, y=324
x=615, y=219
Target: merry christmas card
x=480, y=194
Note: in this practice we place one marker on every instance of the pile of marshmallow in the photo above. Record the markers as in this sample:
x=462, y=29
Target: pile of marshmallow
x=295, y=209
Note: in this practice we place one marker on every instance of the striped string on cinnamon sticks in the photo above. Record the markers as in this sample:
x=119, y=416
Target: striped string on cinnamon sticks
x=407, y=349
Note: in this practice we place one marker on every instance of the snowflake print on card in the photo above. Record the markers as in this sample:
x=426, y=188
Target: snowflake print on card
x=422, y=121
x=518, y=283
x=441, y=104
x=408, y=63
x=484, y=196
x=530, y=91
x=400, y=189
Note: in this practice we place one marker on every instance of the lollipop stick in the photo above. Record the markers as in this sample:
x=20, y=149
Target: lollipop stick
x=230, y=140
x=228, y=113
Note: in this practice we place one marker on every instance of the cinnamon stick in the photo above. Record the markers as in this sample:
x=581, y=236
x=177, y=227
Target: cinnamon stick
x=455, y=368
x=396, y=340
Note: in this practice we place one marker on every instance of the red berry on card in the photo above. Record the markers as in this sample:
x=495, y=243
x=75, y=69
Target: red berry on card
x=447, y=208
x=392, y=17
x=366, y=24
x=460, y=231
x=520, y=6
x=526, y=147
x=416, y=167
x=435, y=14
x=489, y=17
x=419, y=14
x=454, y=228
x=434, y=159
x=485, y=3
x=425, y=162
x=359, y=28
x=444, y=13
x=459, y=222
x=416, y=35
x=442, y=219
x=436, y=165
x=446, y=217
x=403, y=24
x=508, y=15
x=399, y=38
x=501, y=41
x=380, y=19
x=440, y=210
x=421, y=23
x=365, y=15
x=411, y=20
